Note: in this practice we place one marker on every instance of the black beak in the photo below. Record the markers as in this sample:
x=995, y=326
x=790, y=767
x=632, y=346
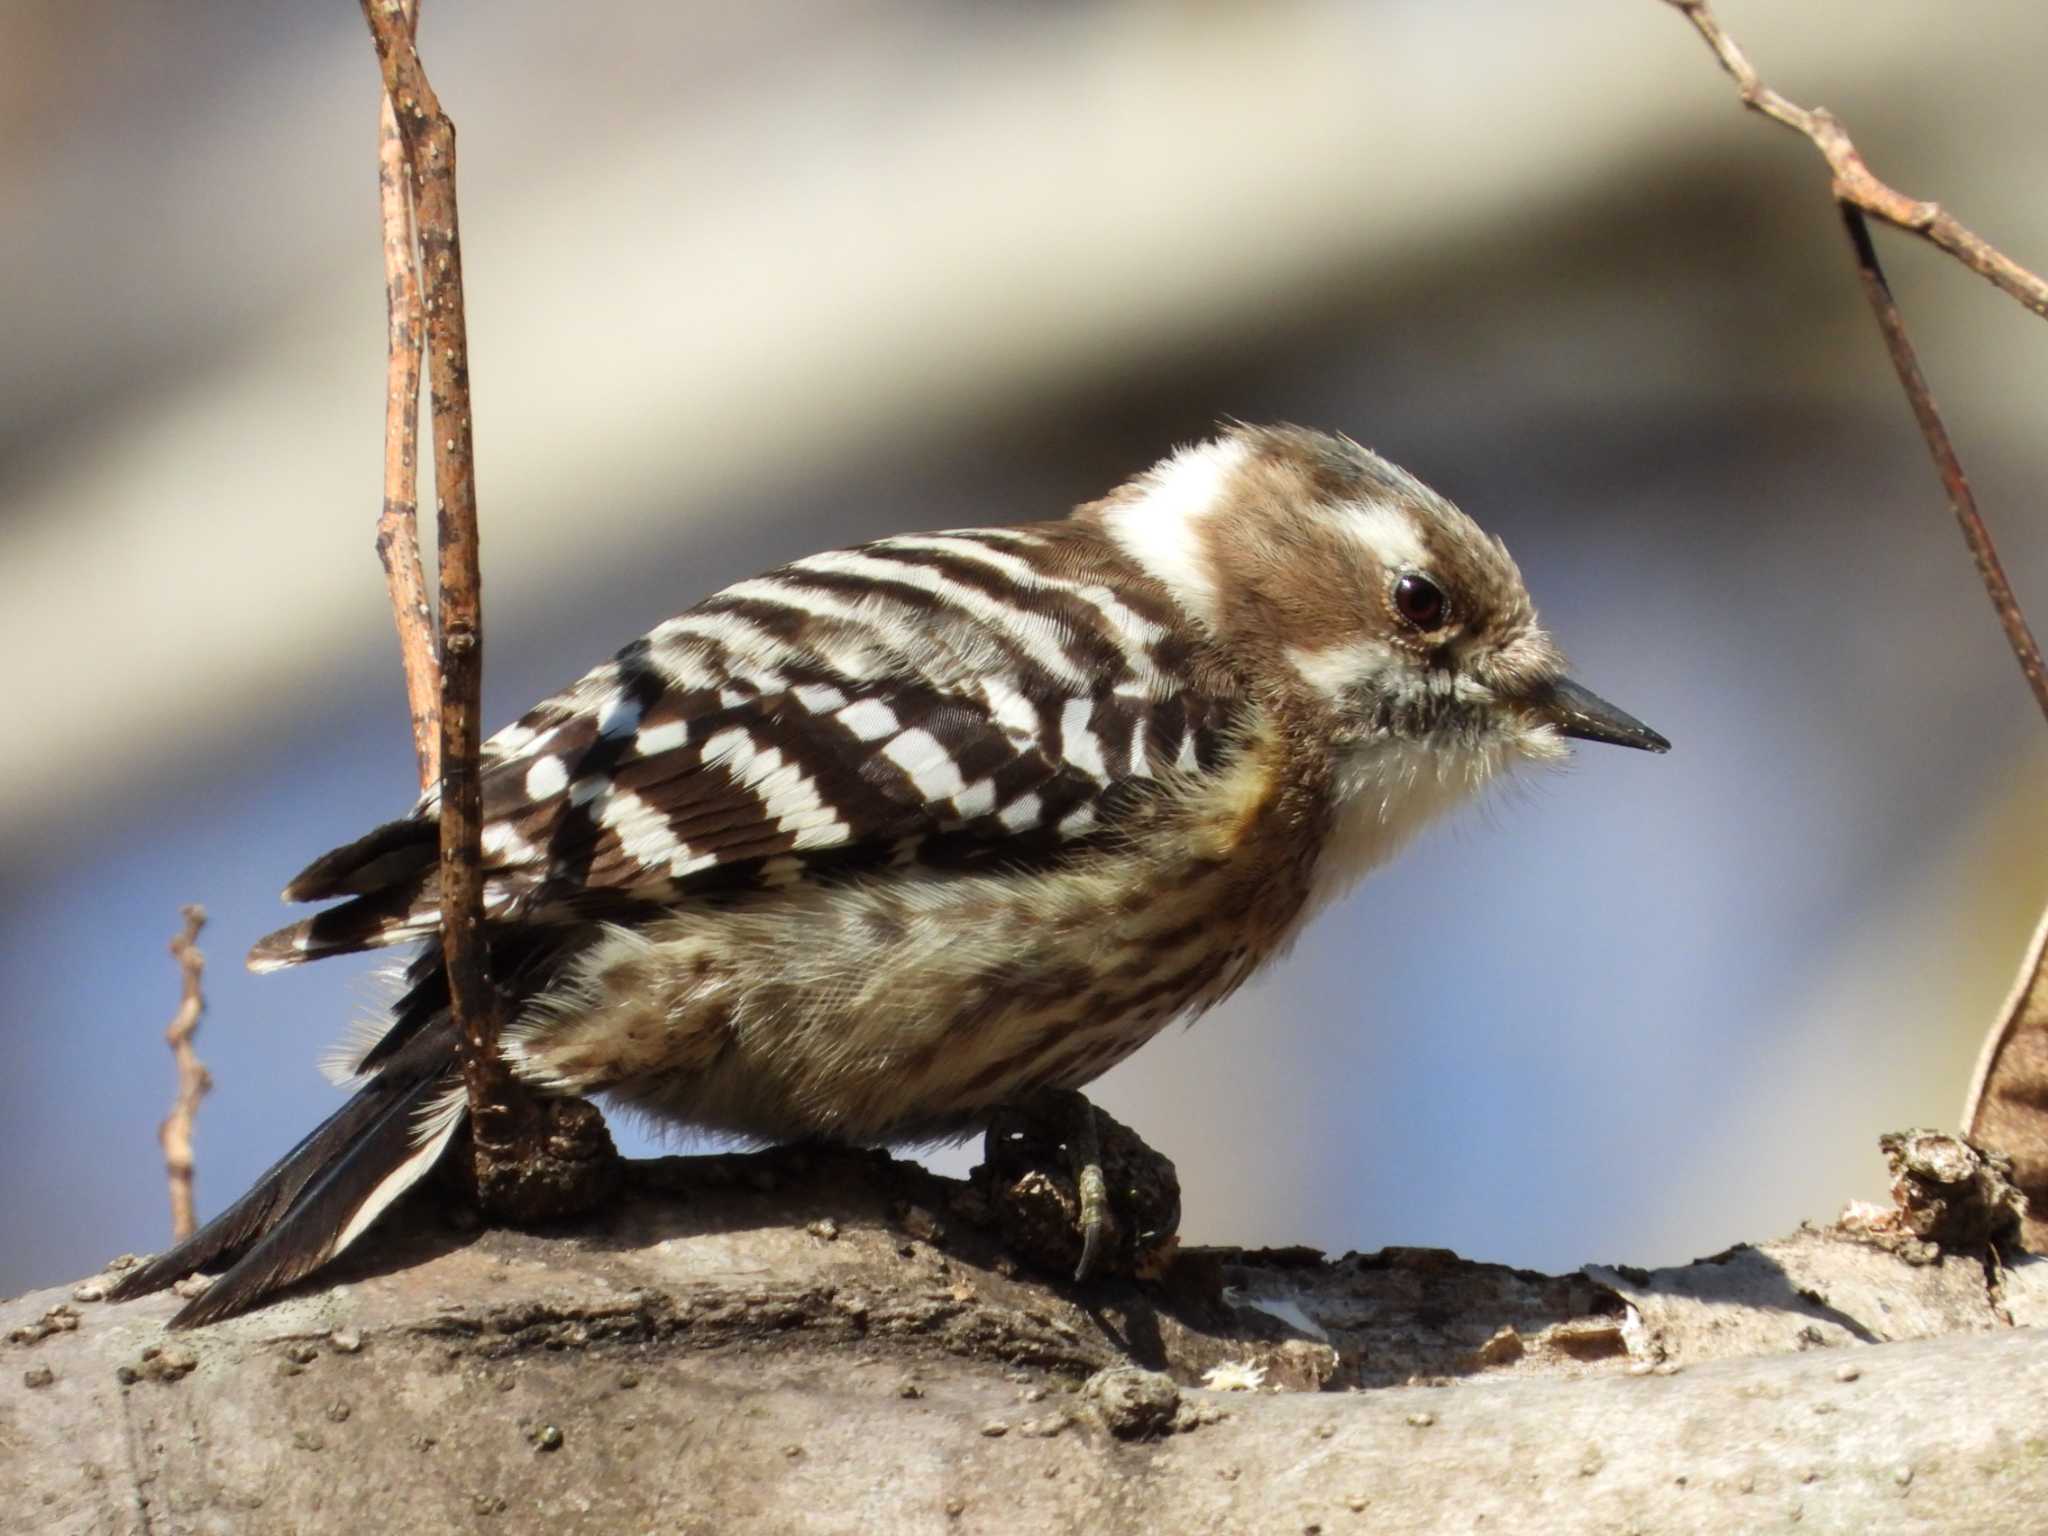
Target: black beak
x=1578, y=712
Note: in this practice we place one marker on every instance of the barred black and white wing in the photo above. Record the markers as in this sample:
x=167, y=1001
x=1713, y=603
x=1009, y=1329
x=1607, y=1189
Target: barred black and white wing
x=1000, y=694
x=985, y=693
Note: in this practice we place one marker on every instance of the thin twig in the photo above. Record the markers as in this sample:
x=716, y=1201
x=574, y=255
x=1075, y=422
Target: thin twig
x=175, y=1134
x=1857, y=193
x=1961, y=500
x=398, y=532
x=1854, y=183
x=499, y=1108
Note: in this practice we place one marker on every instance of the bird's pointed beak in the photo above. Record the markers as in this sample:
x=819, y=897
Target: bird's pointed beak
x=1580, y=712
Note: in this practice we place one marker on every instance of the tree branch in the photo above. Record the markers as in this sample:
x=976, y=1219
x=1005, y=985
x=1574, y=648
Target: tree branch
x=1961, y=500
x=499, y=1108
x=1854, y=182
x=827, y=1341
x=175, y=1134
x=398, y=536
x=1857, y=193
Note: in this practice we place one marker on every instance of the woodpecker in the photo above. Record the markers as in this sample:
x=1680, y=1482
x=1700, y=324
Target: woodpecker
x=873, y=845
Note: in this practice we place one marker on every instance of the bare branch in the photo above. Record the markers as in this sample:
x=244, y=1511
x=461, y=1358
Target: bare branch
x=1854, y=183
x=1857, y=193
x=175, y=1134
x=1961, y=500
x=398, y=536
x=498, y=1106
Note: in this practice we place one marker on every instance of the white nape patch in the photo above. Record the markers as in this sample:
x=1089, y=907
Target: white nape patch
x=1336, y=670
x=669, y=736
x=1386, y=532
x=869, y=719
x=930, y=766
x=437, y=1123
x=548, y=777
x=1161, y=526
x=1023, y=814
x=618, y=715
x=1077, y=742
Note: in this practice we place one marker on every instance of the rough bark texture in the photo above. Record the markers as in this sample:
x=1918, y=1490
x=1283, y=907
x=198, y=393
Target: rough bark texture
x=824, y=1342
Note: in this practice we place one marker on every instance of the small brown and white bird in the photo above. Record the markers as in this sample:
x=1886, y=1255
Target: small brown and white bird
x=870, y=846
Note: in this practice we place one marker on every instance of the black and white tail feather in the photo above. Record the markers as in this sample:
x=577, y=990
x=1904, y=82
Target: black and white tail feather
x=323, y=1194
x=326, y=1191
x=320, y=1195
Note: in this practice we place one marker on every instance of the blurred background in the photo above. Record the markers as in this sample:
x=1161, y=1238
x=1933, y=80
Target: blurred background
x=748, y=281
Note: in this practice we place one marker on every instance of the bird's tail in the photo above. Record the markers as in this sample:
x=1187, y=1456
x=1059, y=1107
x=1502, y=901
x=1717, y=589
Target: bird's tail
x=328, y=1189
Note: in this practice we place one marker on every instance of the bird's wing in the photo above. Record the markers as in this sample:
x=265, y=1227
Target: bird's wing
x=967, y=693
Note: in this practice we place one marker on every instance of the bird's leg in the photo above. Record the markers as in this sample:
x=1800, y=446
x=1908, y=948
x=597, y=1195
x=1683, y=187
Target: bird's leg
x=1084, y=1161
x=560, y=1164
x=1071, y=1187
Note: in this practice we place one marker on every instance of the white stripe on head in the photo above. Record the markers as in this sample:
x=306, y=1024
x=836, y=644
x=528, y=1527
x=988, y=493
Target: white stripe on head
x=1161, y=526
x=1335, y=670
x=1387, y=532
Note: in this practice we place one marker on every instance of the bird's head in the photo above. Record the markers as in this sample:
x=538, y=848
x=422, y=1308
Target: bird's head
x=1362, y=593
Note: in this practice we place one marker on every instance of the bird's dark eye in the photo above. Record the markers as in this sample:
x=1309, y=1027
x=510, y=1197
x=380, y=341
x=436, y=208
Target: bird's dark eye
x=1420, y=601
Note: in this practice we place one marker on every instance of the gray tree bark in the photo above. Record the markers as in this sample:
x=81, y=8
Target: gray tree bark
x=807, y=1342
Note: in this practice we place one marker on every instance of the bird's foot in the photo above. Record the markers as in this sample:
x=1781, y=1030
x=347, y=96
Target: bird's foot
x=1073, y=1188
x=556, y=1161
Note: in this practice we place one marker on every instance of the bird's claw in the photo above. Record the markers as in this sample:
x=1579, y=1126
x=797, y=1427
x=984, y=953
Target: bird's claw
x=1044, y=1216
